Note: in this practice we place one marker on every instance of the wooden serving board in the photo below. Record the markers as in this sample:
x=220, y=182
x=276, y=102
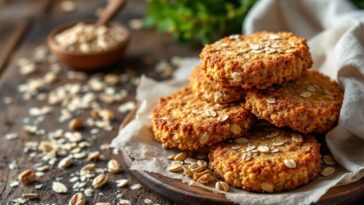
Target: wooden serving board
x=180, y=192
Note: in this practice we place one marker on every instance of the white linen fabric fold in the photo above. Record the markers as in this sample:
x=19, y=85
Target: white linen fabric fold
x=335, y=33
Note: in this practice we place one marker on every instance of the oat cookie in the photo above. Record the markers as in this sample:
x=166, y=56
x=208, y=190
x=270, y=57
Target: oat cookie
x=183, y=121
x=310, y=104
x=268, y=160
x=208, y=90
x=257, y=60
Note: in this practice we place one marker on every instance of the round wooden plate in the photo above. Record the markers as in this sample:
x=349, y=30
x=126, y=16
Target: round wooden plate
x=182, y=193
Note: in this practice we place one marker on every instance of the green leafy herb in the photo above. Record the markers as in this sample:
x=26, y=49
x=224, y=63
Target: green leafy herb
x=197, y=20
x=201, y=21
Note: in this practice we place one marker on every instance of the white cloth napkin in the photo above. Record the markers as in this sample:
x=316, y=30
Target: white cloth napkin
x=335, y=32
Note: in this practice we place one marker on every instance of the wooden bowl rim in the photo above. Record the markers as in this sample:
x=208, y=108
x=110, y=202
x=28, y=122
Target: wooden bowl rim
x=56, y=48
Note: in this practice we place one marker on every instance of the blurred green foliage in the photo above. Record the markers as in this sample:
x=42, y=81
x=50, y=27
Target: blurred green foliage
x=358, y=3
x=201, y=21
x=197, y=20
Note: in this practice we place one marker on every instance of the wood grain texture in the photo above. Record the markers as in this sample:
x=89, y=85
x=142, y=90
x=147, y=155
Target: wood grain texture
x=177, y=191
x=146, y=48
x=10, y=34
x=15, y=10
x=14, y=27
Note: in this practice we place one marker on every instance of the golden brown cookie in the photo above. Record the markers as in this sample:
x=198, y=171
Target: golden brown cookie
x=205, y=89
x=268, y=160
x=257, y=60
x=309, y=104
x=183, y=121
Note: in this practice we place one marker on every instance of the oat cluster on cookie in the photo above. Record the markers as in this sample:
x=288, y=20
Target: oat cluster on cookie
x=268, y=160
x=309, y=104
x=185, y=122
x=243, y=78
x=257, y=60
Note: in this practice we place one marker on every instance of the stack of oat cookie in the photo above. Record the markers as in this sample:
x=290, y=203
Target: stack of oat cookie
x=241, y=78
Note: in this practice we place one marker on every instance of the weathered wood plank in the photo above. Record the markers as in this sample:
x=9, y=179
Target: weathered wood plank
x=15, y=10
x=10, y=35
x=3, y=2
x=15, y=18
x=145, y=50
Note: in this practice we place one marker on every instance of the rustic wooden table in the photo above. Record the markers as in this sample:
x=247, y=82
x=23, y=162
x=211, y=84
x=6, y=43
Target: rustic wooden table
x=24, y=26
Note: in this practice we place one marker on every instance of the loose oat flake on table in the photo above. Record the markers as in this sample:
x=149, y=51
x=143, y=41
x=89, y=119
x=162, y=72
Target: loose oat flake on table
x=82, y=102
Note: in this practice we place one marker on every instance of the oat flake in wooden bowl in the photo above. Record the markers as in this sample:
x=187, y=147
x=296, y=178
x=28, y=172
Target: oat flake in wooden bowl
x=85, y=46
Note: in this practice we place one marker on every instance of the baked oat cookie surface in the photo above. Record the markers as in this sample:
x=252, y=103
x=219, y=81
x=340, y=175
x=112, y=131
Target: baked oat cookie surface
x=208, y=90
x=183, y=121
x=257, y=60
x=268, y=160
x=309, y=104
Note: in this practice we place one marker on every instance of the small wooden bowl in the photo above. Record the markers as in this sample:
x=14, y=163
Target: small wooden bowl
x=88, y=61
